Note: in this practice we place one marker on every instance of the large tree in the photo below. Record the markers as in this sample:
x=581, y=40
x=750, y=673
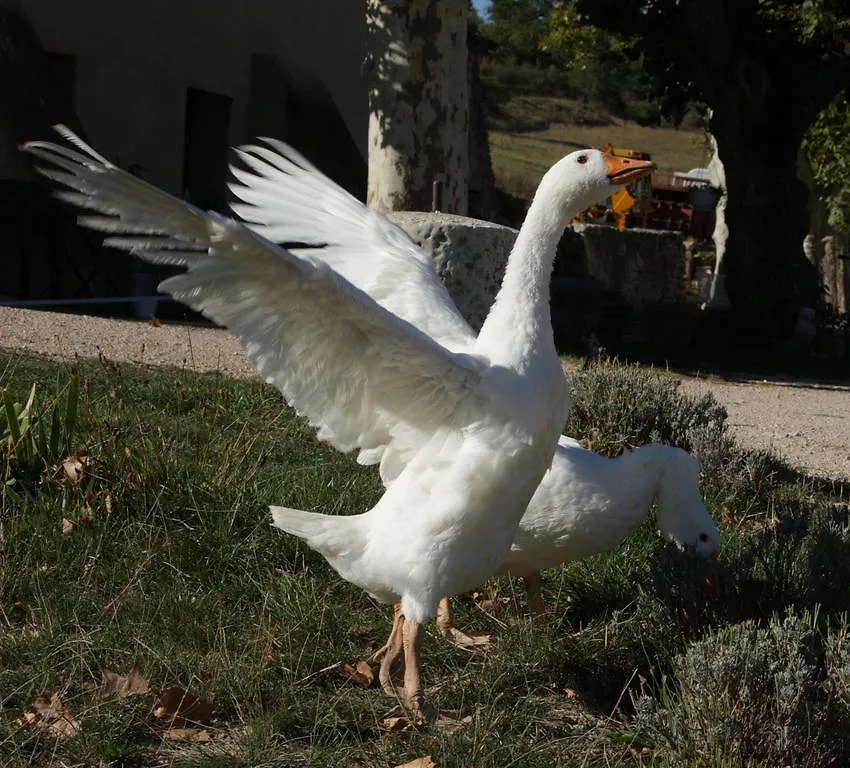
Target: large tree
x=418, y=104
x=766, y=68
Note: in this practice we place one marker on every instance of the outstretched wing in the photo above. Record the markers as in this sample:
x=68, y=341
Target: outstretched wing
x=347, y=363
x=288, y=200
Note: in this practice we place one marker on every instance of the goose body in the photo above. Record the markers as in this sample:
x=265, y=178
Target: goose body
x=464, y=427
x=588, y=504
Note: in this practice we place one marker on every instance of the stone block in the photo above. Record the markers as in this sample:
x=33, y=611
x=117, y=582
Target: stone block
x=640, y=266
x=469, y=254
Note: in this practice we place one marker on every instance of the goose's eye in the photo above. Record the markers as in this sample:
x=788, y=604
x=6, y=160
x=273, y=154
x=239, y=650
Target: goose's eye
x=581, y=159
x=703, y=537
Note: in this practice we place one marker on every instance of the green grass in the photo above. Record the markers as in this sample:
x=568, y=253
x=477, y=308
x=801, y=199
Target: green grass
x=181, y=572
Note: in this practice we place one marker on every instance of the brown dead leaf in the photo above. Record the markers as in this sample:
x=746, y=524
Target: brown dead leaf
x=75, y=467
x=361, y=673
x=28, y=632
x=155, y=321
x=86, y=515
x=570, y=693
x=419, y=762
x=400, y=723
x=177, y=706
x=47, y=713
x=194, y=735
x=449, y=721
x=67, y=527
x=113, y=684
x=490, y=599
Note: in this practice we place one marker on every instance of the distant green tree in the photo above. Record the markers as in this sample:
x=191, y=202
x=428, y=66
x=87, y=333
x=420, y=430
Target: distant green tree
x=766, y=68
x=518, y=26
x=828, y=149
x=605, y=67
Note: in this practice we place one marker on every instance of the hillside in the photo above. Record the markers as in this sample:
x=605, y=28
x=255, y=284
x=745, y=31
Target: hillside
x=529, y=133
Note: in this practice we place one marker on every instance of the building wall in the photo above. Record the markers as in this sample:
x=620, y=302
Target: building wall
x=136, y=61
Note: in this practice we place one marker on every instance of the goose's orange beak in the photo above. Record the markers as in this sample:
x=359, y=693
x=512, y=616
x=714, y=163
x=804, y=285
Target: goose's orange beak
x=624, y=170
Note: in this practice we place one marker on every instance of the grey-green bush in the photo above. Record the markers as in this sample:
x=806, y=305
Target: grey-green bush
x=753, y=696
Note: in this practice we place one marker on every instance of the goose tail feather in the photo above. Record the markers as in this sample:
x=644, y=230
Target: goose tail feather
x=331, y=535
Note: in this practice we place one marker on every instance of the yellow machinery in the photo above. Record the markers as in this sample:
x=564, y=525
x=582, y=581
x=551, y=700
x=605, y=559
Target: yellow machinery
x=624, y=200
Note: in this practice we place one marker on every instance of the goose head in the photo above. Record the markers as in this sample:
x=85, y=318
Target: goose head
x=585, y=177
x=682, y=516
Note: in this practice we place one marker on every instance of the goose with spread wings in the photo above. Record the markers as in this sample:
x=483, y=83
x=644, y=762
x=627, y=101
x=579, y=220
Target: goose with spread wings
x=463, y=426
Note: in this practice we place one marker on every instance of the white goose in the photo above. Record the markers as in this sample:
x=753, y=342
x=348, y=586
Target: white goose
x=464, y=428
x=587, y=504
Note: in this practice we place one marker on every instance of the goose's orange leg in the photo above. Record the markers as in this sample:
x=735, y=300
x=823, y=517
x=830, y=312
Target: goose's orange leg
x=414, y=699
x=390, y=652
x=447, y=628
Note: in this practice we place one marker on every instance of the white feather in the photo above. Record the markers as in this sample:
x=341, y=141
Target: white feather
x=374, y=352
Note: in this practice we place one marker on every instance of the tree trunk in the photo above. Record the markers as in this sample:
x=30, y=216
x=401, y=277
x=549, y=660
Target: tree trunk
x=768, y=278
x=418, y=100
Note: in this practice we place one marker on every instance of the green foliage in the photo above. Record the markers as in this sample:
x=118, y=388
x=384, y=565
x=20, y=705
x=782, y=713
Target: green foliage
x=827, y=145
x=35, y=437
x=604, y=67
x=543, y=47
x=517, y=27
x=618, y=406
x=751, y=695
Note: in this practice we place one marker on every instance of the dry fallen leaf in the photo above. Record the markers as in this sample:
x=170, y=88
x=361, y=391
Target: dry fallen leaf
x=419, y=762
x=400, y=723
x=75, y=467
x=113, y=684
x=361, y=673
x=28, y=632
x=490, y=599
x=86, y=515
x=155, y=321
x=178, y=706
x=195, y=735
x=449, y=721
x=67, y=526
x=47, y=713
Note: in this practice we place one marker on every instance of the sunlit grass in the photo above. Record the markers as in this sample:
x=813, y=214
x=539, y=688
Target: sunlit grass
x=180, y=571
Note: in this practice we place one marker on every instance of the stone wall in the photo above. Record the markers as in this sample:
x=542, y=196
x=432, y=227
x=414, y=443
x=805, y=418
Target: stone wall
x=639, y=266
x=636, y=269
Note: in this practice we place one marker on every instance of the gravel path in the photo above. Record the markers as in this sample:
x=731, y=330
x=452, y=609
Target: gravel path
x=805, y=423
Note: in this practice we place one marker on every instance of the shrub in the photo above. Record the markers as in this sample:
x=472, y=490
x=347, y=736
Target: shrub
x=751, y=696
x=617, y=406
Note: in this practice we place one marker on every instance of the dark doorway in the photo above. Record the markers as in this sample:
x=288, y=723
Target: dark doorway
x=205, y=148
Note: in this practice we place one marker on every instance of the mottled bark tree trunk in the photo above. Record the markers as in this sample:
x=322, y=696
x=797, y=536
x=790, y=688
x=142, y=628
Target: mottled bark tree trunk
x=418, y=99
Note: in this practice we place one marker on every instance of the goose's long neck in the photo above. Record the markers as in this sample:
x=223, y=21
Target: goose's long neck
x=519, y=325
x=638, y=476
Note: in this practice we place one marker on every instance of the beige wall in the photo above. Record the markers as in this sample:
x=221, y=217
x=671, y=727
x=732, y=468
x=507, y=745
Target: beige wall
x=135, y=61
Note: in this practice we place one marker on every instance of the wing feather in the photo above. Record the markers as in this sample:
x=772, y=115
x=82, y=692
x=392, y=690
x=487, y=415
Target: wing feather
x=287, y=200
x=355, y=369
